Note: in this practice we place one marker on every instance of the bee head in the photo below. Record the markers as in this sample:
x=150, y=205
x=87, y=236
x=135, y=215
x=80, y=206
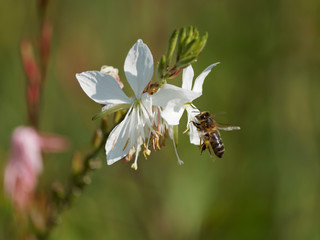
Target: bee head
x=203, y=116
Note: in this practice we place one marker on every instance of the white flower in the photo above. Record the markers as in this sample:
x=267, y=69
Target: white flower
x=181, y=98
x=130, y=134
x=142, y=122
x=195, y=135
x=174, y=100
x=192, y=111
x=150, y=117
x=177, y=98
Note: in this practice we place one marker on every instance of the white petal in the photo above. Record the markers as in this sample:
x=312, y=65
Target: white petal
x=193, y=131
x=187, y=77
x=121, y=138
x=146, y=100
x=172, y=100
x=172, y=113
x=173, y=93
x=102, y=88
x=146, y=117
x=192, y=112
x=194, y=135
x=197, y=87
x=138, y=67
x=139, y=124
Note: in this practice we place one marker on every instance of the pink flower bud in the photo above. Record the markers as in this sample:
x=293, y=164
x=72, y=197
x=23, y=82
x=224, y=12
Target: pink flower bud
x=175, y=73
x=30, y=66
x=33, y=94
x=25, y=163
x=45, y=43
x=114, y=72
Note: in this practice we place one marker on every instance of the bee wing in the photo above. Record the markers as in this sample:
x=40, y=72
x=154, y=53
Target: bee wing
x=226, y=127
x=218, y=114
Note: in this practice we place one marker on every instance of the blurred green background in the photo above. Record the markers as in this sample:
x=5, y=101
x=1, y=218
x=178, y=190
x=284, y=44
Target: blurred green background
x=267, y=186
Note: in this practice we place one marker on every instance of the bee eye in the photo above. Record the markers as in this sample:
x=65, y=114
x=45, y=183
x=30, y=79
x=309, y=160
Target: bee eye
x=204, y=116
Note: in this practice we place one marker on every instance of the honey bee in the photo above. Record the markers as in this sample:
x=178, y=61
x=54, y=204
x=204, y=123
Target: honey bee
x=210, y=133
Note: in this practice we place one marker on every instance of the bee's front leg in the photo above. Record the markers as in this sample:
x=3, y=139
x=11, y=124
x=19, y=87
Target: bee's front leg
x=197, y=125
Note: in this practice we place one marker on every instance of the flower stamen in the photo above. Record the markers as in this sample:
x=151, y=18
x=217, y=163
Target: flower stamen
x=180, y=162
x=135, y=164
x=185, y=131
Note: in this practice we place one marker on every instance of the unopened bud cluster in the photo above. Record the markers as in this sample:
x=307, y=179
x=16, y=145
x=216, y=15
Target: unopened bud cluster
x=183, y=49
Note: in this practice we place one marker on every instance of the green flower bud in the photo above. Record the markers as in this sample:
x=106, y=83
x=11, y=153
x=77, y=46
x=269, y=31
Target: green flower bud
x=161, y=68
x=97, y=138
x=188, y=48
x=186, y=61
x=171, y=47
x=77, y=163
x=182, y=36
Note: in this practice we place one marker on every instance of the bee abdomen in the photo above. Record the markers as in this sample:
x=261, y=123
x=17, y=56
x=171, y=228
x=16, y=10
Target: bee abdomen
x=217, y=144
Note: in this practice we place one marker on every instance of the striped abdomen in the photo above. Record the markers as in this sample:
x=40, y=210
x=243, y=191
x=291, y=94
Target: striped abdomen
x=217, y=144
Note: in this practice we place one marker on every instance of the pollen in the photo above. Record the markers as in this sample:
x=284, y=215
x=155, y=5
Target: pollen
x=158, y=144
x=146, y=153
x=134, y=166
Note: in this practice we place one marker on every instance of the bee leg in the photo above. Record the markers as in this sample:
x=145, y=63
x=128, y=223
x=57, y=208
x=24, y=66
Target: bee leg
x=203, y=147
x=197, y=125
x=209, y=150
x=206, y=145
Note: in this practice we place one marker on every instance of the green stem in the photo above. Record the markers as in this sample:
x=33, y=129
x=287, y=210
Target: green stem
x=77, y=184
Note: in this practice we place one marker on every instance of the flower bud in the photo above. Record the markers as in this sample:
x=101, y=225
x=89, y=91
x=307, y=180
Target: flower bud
x=104, y=125
x=171, y=47
x=25, y=163
x=97, y=138
x=114, y=72
x=95, y=164
x=161, y=68
x=30, y=66
x=45, y=43
x=77, y=163
x=58, y=190
x=86, y=179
